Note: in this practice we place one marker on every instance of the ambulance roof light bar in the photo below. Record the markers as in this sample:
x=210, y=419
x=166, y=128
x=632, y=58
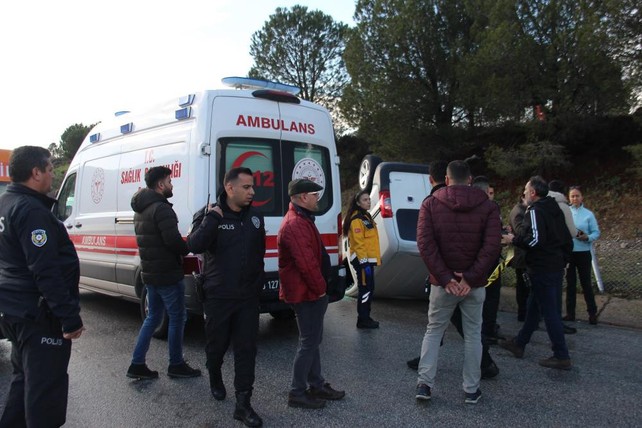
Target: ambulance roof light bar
x=249, y=83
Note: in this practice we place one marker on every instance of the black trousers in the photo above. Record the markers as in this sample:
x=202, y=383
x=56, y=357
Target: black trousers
x=580, y=260
x=40, y=384
x=521, y=293
x=237, y=322
x=491, y=306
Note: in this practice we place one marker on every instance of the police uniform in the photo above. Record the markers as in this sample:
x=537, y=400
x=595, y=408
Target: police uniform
x=234, y=247
x=39, y=300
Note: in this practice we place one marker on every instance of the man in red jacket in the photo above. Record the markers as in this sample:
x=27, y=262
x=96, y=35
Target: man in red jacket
x=303, y=261
x=459, y=239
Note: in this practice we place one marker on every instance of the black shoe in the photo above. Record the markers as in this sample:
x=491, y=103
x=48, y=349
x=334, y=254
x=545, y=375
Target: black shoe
x=492, y=339
x=593, y=319
x=305, y=402
x=569, y=330
x=216, y=384
x=556, y=363
x=513, y=347
x=473, y=397
x=367, y=323
x=568, y=318
x=326, y=392
x=141, y=371
x=219, y=393
x=423, y=392
x=182, y=371
x=244, y=411
x=490, y=371
x=414, y=363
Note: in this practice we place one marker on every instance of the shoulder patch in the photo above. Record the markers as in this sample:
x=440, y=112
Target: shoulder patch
x=39, y=237
x=256, y=222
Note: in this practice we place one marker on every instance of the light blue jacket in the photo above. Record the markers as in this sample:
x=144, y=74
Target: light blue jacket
x=585, y=221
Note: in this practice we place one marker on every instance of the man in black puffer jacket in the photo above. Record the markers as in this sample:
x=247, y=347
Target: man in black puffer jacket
x=232, y=236
x=161, y=250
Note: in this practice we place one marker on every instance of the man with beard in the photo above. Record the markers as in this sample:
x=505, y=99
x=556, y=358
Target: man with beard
x=161, y=249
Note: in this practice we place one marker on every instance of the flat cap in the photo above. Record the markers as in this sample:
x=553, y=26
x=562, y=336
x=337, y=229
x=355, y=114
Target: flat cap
x=302, y=185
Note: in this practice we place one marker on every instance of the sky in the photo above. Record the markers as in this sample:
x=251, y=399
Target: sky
x=80, y=61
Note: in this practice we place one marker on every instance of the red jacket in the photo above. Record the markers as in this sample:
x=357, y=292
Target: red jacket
x=459, y=230
x=300, y=258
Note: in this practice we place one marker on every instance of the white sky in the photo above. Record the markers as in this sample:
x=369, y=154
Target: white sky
x=79, y=61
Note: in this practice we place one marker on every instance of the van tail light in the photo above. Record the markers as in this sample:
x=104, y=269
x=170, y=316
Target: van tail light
x=340, y=238
x=384, y=204
x=190, y=264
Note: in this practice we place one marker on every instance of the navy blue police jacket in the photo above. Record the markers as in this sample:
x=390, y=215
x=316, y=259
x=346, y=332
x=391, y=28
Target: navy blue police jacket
x=39, y=262
x=233, y=247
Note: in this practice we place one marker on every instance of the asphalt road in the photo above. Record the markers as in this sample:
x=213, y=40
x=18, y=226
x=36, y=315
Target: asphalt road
x=604, y=387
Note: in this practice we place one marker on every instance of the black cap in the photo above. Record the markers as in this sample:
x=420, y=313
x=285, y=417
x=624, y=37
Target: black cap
x=302, y=185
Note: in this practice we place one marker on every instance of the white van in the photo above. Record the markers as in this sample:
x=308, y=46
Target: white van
x=199, y=137
x=397, y=190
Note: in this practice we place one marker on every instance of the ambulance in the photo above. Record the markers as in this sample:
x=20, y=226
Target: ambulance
x=261, y=125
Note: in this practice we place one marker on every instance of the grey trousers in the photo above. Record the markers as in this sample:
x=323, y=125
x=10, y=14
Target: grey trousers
x=307, y=363
x=440, y=310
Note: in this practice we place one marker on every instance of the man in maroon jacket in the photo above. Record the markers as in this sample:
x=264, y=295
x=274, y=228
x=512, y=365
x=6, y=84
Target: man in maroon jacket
x=459, y=238
x=303, y=261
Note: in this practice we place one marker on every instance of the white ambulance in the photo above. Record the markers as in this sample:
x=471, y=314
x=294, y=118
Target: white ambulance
x=199, y=137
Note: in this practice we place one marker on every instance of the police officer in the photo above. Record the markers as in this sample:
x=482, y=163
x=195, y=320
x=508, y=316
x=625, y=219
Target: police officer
x=232, y=236
x=39, y=301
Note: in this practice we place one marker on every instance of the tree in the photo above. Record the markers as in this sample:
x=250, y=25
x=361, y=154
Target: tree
x=71, y=139
x=404, y=59
x=303, y=48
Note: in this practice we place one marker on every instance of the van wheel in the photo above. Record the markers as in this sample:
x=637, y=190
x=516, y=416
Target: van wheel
x=163, y=328
x=284, y=314
x=366, y=171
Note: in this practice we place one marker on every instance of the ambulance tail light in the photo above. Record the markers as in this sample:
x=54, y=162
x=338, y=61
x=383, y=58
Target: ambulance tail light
x=190, y=264
x=340, y=238
x=385, y=204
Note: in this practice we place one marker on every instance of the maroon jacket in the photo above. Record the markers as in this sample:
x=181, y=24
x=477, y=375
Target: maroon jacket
x=459, y=230
x=300, y=258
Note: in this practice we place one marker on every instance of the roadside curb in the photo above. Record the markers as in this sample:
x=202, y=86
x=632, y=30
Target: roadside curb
x=611, y=310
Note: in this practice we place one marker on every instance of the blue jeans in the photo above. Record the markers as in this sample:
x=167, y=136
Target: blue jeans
x=543, y=299
x=172, y=298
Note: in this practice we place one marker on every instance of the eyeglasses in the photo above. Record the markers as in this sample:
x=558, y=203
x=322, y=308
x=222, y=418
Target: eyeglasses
x=313, y=194
x=575, y=188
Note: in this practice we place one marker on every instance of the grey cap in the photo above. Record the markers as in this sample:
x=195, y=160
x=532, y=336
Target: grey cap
x=302, y=185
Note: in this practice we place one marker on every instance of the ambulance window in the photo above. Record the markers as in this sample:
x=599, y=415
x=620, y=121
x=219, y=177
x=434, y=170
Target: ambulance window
x=311, y=162
x=259, y=156
x=66, y=198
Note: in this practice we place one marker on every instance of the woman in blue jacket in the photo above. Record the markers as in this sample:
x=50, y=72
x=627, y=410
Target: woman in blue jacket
x=587, y=232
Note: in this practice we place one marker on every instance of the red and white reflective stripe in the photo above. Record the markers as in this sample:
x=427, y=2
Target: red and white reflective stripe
x=127, y=246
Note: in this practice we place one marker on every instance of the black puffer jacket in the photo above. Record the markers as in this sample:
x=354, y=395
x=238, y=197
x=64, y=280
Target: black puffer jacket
x=159, y=242
x=234, y=247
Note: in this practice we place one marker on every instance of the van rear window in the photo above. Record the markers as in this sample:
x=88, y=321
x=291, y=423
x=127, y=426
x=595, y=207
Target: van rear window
x=274, y=164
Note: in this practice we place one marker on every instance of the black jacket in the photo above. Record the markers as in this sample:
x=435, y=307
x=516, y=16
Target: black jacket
x=160, y=244
x=545, y=237
x=38, y=259
x=234, y=247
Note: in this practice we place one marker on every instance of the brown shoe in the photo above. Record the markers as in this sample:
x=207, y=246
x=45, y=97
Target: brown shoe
x=305, y=402
x=556, y=363
x=325, y=393
x=513, y=347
